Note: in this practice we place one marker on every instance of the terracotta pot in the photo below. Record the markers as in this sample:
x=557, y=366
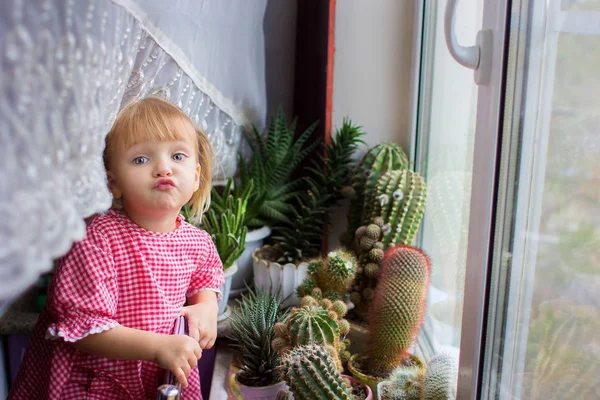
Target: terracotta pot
x=285, y=278
x=367, y=388
x=371, y=381
x=261, y=392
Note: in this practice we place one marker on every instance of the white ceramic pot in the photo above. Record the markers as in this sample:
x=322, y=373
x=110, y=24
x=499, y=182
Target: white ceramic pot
x=261, y=392
x=225, y=290
x=254, y=240
x=283, y=277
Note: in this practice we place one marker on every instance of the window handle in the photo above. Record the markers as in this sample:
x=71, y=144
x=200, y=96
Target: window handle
x=477, y=57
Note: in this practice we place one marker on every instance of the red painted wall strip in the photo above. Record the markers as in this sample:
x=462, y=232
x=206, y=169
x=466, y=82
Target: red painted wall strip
x=330, y=56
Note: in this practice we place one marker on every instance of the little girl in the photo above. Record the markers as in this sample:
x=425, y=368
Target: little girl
x=105, y=330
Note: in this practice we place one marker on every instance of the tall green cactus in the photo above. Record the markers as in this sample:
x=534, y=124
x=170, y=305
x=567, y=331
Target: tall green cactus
x=398, y=307
x=378, y=160
x=399, y=199
x=310, y=373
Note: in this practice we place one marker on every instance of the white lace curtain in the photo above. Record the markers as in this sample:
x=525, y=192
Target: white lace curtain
x=68, y=66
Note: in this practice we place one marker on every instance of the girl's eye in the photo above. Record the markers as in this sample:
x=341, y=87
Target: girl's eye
x=140, y=160
x=179, y=157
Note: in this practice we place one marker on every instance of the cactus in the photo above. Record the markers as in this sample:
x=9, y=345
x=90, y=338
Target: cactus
x=310, y=373
x=437, y=382
x=404, y=383
x=440, y=378
x=332, y=275
x=399, y=199
x=398, y=307
x=284, y=395
x=312, y=325
x=378, y=160
x=315, y=323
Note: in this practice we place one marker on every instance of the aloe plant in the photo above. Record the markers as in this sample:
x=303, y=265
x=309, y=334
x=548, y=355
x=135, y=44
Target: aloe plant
x=275, y=158
x=328, y=180
x=224, y=221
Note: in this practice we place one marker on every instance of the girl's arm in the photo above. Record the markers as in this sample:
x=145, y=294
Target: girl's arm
x=177, y=353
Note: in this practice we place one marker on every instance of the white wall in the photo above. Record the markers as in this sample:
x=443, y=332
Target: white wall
x=372, y=74
x=373, y=67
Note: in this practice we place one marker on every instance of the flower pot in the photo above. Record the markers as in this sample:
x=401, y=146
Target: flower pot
x=260, y=392
x=355, y=381
x=225, y=290
x=354, y=366
x=245, y=274
x=270, y=275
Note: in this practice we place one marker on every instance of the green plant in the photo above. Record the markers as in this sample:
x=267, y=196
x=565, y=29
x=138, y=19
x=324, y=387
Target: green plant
x=436, y=382
x=376, y=162
x=252, y=330
x=315, y=322
x=333, y=275
x=398, y=308
x=329, y=178
x=399, y=199
x=224, y=221
x=310, y=373
x=275, y=158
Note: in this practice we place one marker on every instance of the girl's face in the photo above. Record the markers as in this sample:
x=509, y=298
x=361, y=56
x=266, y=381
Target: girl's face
x=156, y=178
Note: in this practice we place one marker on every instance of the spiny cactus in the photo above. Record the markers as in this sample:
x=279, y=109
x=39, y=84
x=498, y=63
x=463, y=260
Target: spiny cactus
x=378, y=160
x=369, y=250
x=437, y=382
x=314, y=322
x=440, y=378
x=310, y=373
x=404, y=383
x=398, y=307
x=399, y=199
x=333, y=275
x=283, y=395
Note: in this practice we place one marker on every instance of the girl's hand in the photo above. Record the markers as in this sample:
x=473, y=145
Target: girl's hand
x=202, y=320
x=179, y=354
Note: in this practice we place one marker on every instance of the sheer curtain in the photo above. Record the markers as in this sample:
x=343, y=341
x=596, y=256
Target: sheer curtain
x=67, y=67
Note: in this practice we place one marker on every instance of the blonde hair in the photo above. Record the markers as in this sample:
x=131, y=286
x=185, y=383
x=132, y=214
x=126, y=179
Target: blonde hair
x=154, y=118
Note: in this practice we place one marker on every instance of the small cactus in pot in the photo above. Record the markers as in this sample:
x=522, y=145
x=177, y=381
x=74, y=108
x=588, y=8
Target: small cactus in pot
x=315, y=322
x=331, y=275
x=310, y=374
x=436, y=382
x=396, y=313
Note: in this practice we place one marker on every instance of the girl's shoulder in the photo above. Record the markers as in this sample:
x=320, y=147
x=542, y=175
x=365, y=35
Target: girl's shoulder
x=107, y=224
x=193, y=230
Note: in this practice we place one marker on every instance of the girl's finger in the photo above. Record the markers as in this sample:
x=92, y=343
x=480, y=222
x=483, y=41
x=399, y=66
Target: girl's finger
x=193, y=330
x=198, y=353
x=180, y=375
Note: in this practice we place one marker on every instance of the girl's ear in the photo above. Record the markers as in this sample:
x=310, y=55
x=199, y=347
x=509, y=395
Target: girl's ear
x=112, y=185
x=197, y=177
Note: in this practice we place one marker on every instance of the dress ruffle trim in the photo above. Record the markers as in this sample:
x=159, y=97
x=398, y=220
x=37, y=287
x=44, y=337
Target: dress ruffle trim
x=55, y=331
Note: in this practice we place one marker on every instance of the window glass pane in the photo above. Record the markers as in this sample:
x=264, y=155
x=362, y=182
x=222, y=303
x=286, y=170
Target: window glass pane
x=563, y=345
x=554, y=343
x=447, y=125
x=580, y=5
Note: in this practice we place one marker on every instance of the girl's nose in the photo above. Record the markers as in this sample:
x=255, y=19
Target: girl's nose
x=162, y=168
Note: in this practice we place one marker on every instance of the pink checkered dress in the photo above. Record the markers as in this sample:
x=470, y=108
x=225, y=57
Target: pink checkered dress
x=120, y=274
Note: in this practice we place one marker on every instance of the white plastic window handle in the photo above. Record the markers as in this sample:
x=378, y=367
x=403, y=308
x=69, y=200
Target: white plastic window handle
x=475, y=57
x=467, y=56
